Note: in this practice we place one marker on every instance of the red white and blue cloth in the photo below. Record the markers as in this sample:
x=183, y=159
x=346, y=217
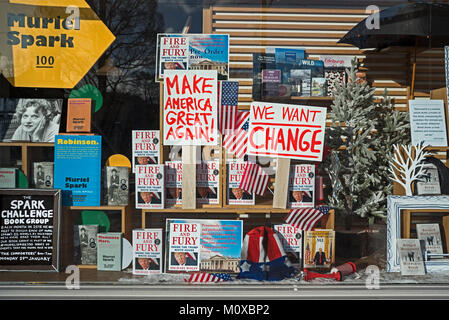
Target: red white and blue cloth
x=204, y=277
x=263, y=257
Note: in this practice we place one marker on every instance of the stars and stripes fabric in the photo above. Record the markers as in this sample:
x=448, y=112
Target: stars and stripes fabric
x=228, y=104
x=306, y=218
x=262, y=244
x=254, y=179
x=203, y=277
x=236, y=141
x=263, y=256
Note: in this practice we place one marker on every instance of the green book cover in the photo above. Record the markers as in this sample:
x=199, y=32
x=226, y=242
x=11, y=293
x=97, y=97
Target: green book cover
x=109, y=252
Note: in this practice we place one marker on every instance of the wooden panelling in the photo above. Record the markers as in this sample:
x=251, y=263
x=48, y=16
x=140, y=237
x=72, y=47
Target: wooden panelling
x=317, y=27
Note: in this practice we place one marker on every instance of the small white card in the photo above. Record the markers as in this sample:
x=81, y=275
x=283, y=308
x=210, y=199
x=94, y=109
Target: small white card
x=428, y=122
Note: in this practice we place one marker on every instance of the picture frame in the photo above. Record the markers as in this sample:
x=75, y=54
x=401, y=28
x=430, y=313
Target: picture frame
x=45, y=199
x=395, y=205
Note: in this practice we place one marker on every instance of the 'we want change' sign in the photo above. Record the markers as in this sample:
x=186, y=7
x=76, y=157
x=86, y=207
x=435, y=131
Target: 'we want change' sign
x=286, y=131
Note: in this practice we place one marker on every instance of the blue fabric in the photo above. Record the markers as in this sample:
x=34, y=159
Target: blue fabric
x=275, y=270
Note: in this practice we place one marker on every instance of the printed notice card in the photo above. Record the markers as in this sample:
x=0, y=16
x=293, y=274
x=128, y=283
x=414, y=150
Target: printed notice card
x=427, y=122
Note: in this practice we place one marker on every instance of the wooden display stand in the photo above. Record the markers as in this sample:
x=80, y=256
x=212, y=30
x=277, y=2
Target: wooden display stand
x=69, y=222
x=277, y=206
x=67, y=215
x=25, y=146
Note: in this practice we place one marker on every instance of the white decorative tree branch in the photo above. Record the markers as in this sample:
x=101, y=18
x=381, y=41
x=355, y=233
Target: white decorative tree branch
x=407, y=169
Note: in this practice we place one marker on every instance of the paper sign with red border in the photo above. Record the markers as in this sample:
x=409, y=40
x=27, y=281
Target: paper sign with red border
x=190, y=107
x=286, y=131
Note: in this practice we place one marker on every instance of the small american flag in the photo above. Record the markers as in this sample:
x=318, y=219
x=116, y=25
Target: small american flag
x=208, y=277
x=236, y=142
x=254, y=179
x=229, y=97
x=306, y=218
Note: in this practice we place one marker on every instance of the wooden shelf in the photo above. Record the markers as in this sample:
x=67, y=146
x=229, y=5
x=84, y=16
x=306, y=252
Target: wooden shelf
x=312, y=98
x=330, y=224
x=234, y=210
x=110, y=208
x=433, y=148
x=87, y=266
x=27, y=144
x=24, y=146
x=126, y=216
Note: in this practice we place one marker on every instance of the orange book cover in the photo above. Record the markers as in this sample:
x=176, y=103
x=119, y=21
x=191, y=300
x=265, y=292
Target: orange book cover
x=79, y=113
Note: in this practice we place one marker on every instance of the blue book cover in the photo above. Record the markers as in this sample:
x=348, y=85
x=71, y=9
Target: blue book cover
x=220, y=243
x=192, y=52
x=289, y=55
x=77, y=169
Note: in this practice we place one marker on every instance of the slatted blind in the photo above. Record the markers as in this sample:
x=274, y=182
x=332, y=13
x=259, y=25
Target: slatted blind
x=317, y=30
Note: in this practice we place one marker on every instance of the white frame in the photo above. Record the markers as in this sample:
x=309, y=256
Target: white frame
x=394, y=206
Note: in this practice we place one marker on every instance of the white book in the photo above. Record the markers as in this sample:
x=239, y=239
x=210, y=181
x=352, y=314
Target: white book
x=291, y=238
x=146, y=146
x=184, y=246
x=235, y=195
x=429, y=182
x=301, y=188
x=150, y=186
x=147, y=251
x=410, y=255
x=431, y=236
x=43, y=175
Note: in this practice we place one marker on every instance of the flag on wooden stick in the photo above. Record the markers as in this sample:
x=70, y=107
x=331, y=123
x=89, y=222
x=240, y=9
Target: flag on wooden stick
x=228, y=102
x=306, y=218
x=254, y=179
x=236, y=141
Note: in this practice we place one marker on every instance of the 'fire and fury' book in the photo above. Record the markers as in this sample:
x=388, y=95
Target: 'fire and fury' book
x=147, y=251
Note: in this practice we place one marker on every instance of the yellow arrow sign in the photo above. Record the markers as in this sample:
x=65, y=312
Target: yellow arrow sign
x=49, y=43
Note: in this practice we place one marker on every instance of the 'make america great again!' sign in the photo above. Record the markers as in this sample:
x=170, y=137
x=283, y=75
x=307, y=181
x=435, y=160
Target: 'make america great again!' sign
x=190, y=107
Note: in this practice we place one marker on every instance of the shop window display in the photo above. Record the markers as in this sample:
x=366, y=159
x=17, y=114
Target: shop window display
x=264, y=129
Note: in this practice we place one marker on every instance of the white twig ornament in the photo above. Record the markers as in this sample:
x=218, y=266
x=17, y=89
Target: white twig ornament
x=407, y=165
